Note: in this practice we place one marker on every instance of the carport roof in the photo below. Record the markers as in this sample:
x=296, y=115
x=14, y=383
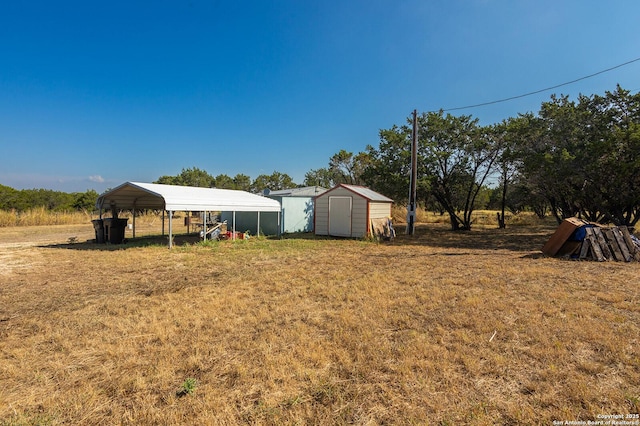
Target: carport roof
x=139, y=195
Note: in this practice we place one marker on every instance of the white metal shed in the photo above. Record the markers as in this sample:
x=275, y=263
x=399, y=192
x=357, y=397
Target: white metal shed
x=348, y=211
x=297, y=207
x=296, y=213
x=138, y=195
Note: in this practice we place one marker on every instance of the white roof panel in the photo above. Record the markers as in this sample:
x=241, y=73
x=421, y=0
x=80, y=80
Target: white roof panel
x=184, y=198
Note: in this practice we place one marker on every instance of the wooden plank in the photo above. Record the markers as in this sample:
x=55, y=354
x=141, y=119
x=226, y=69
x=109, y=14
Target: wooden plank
x=613, y=244
x=584, y=250
x=622, y=243
x=594, y=245
x=632, y=247
x=596, y=249
x=602, y=242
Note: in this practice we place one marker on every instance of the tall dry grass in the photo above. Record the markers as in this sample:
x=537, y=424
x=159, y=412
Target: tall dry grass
x=148, y=223
x=439, y=328
x=41, y=216
x=480, y=218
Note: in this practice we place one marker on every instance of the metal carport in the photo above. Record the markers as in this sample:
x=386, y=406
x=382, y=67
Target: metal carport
x=171, y=198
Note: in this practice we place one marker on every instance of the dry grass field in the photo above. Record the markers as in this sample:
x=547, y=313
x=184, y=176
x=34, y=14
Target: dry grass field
x=441, y=328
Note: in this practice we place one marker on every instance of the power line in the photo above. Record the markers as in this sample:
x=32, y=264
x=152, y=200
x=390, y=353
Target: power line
x=543, y=90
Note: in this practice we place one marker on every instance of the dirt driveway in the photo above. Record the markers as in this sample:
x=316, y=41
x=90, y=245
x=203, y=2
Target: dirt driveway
x=19, y=245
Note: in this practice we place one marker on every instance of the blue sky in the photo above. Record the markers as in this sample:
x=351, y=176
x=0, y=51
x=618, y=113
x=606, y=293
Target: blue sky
x=93, y=94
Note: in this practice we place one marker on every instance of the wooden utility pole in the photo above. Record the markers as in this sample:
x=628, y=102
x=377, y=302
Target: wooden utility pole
x=411, y=209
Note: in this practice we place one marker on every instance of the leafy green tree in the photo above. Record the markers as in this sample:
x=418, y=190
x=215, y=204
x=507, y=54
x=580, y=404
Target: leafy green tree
x=347, y=168
x=51, y=200
x=25, y=199
x=85, y=201
x=483, y=198
x=344, y=167
x=460, y=156
x=389, y=169
x=223, y=181
x=242, y=182
x=509, y=133
x=319, y=177
x=522, y=196
x=455, y=157
x=547, y=163
x=612, y=169
x=274, y=182
x=583, y=156
x=189, y=177
x=10, y=199
x=167, y=180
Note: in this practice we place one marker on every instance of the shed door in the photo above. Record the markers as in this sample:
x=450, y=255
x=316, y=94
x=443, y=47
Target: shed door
x=340, y=216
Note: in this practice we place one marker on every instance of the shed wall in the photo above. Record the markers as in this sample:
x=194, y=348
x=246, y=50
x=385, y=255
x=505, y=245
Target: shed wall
x=248, y=221
x=321, y=216
x=358, y=212
x=359, y=221
x=363, y=210
x=379, y=210
x=297, y=214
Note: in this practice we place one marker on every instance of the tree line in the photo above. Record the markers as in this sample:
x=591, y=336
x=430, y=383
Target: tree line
x=27, y=199
x=574, y=157
x=198, y=177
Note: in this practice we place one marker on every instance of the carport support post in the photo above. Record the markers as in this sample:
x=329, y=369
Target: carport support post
x=411, y=208
x=258, y=227
x=233, y=226
x=134, y=220
x=170, y=229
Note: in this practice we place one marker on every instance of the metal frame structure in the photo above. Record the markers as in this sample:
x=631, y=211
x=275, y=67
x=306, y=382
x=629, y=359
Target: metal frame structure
x=171, y=198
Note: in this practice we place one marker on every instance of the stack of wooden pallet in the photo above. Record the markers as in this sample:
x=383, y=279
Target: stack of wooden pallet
x=578, y=239
x=615, y=243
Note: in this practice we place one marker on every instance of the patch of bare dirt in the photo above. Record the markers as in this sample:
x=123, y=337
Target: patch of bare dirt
x=16, y=256
x=18, y=245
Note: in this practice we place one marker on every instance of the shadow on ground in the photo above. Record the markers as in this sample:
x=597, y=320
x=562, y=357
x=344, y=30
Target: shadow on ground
x=129, y=243
x=516, y=238
x=524, y=239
